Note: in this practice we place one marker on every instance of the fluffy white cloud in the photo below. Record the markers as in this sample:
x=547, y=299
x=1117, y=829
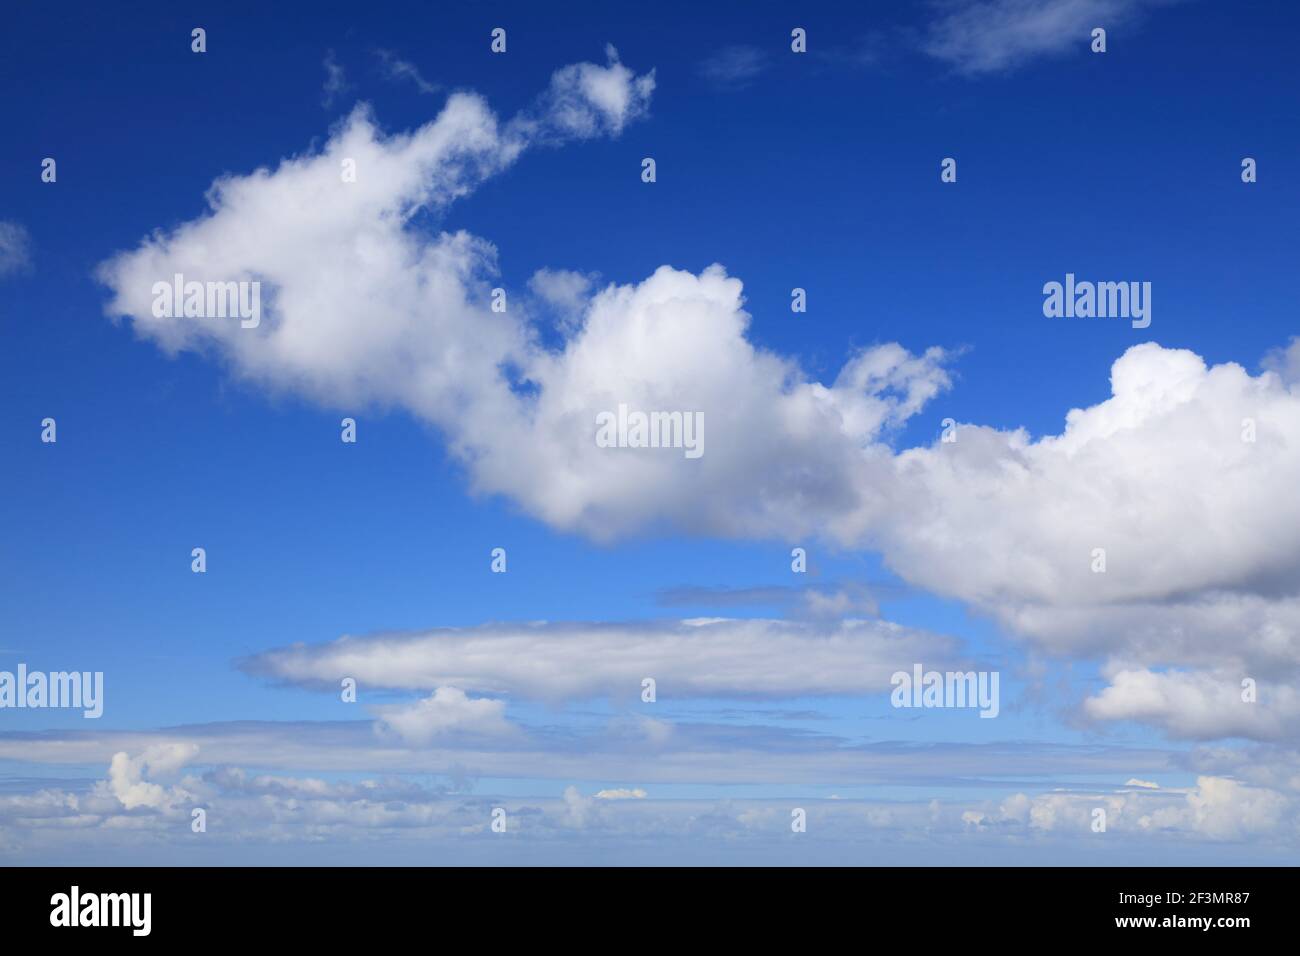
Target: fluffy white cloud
x=780, y=451
x=589, y=100
x=358, y=305
x=565, y=292
x=447, y=709
x=1217, y=808
x=126, y=775
x=1158, y=475
x=361, y=305
x=1226, y=810
x=1285, y=361
x=1183, y=477
x=1200, y=526
x=1198, y=704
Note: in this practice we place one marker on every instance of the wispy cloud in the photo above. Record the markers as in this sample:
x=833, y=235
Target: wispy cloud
x=990, y=36
x=830, y=600
x=336, y=82
x=15, y=248
x=734, y=67
x=700, y=658
x=395, y=68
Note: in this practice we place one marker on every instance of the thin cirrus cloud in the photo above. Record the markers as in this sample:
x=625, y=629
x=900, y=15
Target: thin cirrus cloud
x=633, y=751
x=397, y=69
x=336, y=83
x=994, y=36
x=734, y=67
x=15, y=248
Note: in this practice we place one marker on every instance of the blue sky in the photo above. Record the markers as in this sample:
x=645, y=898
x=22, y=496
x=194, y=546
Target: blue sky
x=817, y=170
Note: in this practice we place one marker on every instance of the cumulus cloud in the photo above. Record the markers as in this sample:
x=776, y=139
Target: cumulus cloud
x=565, y=292
x=1158, y=475
x=360, y=305
x=787, y=448
x=273, y=810
x=1131, y=475
x=1284, y=361
x=1216, y=808
x=1183, y=477
x=1225, y=809
x=446, y=710
x=588, y=100
x=126, y=775
x=996, y=519
x=1198, y=704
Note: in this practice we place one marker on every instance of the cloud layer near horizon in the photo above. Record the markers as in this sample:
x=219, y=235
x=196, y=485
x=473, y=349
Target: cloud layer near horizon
x=281, y=809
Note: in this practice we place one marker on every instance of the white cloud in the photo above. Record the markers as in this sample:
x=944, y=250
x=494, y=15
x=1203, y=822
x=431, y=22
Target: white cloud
x=621, y=793
x=565, y=292
x=787, y=447
x=693, y=658
x=336, y=82
x=447, y=709
x=360, y=306
x=395, y=68
x=1201, y=529
x=986, y=36
x=1225, y=809
x=1197, y=704
x=15, y=248
x=1285, y=361
x=1158, y=475
x=634, y=752
x=587, y=100
x=734, y=67
x=578, y=809
x=126, y=775
x=1217, y=808
x=275, y=810
x=657, y=732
